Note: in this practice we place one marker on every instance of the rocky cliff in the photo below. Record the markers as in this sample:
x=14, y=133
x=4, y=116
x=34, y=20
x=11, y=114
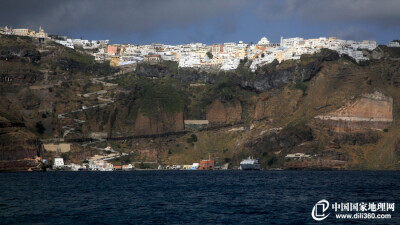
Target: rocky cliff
x=266, y=78
x=220, y=113
x=162, y=124
x=285, y=139
x=323, y=106
x=370, y=111
x=19, y=148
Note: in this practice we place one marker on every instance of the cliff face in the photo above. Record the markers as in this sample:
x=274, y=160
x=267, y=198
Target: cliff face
x=16, y=149
x=260, y=109
x=269, y=77
x=285, y=105
x=265, y=78
x=165, y=123
x=283, y=140
x=370, y=111
x=19, y=148
x=156, y=70
x=297, y=106
x=220, y=113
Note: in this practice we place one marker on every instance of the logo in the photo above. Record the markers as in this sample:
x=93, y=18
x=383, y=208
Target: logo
x=318, y=211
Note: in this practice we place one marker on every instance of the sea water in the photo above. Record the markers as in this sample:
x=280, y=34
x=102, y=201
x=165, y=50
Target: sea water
x=190, y=197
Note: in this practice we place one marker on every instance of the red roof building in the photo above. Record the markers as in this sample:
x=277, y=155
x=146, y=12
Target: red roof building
x=207, y=164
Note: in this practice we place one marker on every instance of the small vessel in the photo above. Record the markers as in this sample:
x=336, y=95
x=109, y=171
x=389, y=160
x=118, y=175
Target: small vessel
x=250, y=164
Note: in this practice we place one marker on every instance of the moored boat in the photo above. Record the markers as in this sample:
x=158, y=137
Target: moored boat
x=250, y=164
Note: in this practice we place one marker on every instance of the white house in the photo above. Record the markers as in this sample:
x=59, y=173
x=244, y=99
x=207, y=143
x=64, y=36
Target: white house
x=394, y=44
x=291, y=42
x=58, y=162
x=230, y=64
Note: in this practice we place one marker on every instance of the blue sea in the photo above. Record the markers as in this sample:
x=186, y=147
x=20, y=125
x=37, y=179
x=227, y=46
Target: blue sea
x=190, y=197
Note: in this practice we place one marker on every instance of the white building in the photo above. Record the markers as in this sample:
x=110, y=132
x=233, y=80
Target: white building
x=67, y=43
x=394, y=44
x=291, y=42
x=195, y=166
x=189, y=60
x=100, y=165
x=297, y=156
x=76, y=167
x=58, y=162
x=263, y=41
x=230, y=47
x=242, y=45
x=230, y=64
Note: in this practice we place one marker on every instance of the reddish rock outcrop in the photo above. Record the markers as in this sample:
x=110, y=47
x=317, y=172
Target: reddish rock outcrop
x=165, y=123
x=278, y=106
x=220, y=113
x=370, y=111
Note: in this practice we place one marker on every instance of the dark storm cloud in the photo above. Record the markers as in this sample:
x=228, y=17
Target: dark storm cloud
x=353, y=33
x=122, y=16
x=383, y=13
x=177, y=21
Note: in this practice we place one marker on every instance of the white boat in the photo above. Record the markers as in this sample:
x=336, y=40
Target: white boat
x=250, y=164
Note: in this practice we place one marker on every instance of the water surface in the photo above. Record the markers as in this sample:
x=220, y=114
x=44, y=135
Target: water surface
x=196, y=197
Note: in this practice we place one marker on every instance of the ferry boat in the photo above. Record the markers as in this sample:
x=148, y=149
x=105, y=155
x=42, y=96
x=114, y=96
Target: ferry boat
x=250, y=164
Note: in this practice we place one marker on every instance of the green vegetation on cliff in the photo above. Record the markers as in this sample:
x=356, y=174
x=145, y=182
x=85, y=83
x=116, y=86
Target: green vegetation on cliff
x=159, y=95
x=154, y=96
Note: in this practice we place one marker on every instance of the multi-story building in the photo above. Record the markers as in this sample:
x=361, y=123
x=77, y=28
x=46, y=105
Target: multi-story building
x=112, y=49
x=23, y=32
x=152, y=58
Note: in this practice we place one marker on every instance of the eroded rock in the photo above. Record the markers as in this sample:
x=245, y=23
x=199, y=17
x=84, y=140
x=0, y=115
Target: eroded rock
x=370, y=111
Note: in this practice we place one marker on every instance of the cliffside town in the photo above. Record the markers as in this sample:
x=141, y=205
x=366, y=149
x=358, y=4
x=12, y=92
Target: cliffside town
x=224, y=56
x=319, y=103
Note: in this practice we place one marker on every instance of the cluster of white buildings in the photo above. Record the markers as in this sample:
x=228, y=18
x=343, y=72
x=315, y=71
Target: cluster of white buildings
x=293, y=48
x=59, y=165
x=100, y=165
x=226, y=56
x=85, y=44
x=92, y=165
x=194, y=166
x=95, y=163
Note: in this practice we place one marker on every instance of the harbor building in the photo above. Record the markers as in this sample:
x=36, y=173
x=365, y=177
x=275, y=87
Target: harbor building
x=207, y=164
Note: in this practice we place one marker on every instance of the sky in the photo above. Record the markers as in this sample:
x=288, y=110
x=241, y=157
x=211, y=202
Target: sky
x=206, y=21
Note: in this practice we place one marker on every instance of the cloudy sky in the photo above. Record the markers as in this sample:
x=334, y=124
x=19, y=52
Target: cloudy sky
x=207, y=21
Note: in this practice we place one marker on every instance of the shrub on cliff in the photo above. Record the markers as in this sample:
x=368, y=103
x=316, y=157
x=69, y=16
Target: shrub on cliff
x=193, y=138
x=40, y=128
x=302, y=86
